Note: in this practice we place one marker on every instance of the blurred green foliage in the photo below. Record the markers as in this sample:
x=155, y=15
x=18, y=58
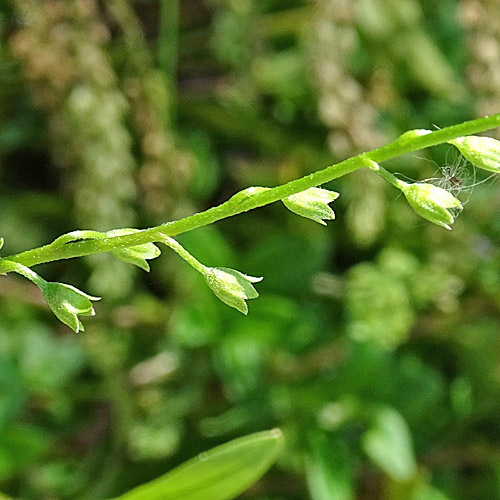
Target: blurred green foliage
x=375, y=343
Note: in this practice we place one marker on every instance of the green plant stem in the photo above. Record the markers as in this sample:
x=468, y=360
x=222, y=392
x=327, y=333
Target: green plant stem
x=245, y=201
x=182, y=252
x=11, y=266
x=385, y=174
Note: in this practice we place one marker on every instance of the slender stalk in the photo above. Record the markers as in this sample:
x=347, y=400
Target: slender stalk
x=10, y=266
x=182, y=252
x=385, y=174
x=247, y=200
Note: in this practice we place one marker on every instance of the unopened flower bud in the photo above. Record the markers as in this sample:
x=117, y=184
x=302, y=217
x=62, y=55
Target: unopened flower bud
x=231, y=286
x=482, y=152
x=431, y=202
x=312, y=203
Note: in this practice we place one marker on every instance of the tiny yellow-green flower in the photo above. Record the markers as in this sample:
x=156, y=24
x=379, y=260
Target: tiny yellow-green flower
x=231, y=286
x=67, y=302
x=138, y=254
x=312, y=203
x=482, y=152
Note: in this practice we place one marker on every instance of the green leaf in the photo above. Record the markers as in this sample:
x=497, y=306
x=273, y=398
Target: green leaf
x=328, y=470
x=219, y=474
x=388, y=444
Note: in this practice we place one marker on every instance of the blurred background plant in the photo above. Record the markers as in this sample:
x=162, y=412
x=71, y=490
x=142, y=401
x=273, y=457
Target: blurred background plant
x=375, y=343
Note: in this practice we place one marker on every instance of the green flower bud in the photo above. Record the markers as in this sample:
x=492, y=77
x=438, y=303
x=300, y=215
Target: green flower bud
x=138, y=254
x=78, y=235
x=67, y=302
x=431, y=202
x=312, y=203
x=232, y=287
x=247, y=193
x=411, y=135
x=482, y=152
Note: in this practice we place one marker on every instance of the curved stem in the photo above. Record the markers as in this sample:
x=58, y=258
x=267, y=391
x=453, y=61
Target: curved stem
x=8, y=266
x=242, y=202
x=385, y=174
x=182, y=252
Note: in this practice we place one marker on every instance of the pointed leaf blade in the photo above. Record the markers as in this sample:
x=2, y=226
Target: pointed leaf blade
x=219, y=474
x=329, y=470
x=389, y=445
